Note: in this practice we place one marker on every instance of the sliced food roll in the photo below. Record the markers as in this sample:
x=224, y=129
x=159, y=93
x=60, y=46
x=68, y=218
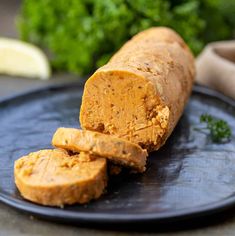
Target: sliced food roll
x=140, y=94
x=54, y=178
x=117, y=150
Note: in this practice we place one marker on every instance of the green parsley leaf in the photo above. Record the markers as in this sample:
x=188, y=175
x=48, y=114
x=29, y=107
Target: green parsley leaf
x=81, y=35
x=219, y=130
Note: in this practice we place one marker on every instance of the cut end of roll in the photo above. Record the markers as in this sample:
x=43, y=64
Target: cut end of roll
x=125, y=105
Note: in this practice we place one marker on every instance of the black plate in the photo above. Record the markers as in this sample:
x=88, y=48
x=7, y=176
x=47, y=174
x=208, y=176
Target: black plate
x=188, y=177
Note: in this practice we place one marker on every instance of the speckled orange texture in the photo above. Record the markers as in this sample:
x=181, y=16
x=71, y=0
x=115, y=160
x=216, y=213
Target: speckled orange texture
x=54, y=178
x=141, y=92
x=117, y=150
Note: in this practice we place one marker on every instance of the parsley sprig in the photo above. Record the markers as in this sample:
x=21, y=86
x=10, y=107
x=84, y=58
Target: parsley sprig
x=219, y=130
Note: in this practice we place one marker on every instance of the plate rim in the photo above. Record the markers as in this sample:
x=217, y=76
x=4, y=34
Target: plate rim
x=57, y=214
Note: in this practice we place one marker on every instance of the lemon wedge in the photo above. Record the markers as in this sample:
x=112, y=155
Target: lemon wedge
x=18, y=58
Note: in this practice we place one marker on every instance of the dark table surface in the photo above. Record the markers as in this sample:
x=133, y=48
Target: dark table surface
x=13, y=222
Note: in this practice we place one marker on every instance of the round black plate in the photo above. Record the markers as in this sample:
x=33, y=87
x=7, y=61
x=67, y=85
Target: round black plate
x=188, y=177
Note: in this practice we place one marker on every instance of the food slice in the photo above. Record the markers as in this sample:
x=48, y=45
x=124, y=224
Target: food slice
x=22, y=59
x=54, y=178
x=117, y=150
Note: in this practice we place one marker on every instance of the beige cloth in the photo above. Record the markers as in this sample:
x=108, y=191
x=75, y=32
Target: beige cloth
x=216, y=67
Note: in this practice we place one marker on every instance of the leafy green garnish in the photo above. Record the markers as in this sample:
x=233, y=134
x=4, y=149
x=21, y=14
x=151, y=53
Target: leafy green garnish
x=81, y=35
x=219, y=130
